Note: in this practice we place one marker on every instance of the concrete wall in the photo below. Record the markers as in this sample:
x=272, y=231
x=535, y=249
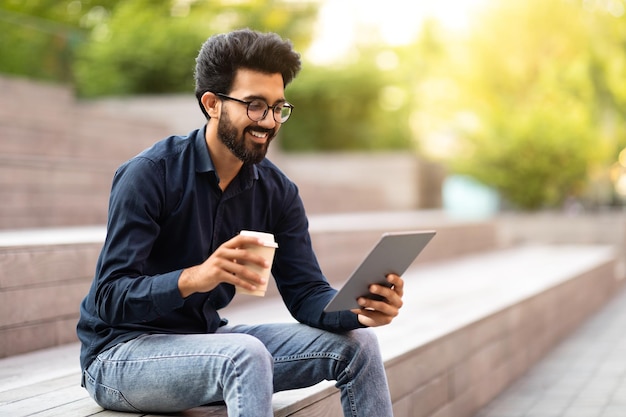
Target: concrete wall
x=58, y=155
x=601, y=227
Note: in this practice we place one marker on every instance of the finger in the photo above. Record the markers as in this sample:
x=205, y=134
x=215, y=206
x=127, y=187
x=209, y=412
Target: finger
x=397, y=283
x=390, y=296
x=380, y=307
x=233, y=272
x=235, y=248
x=244, y=279
x=247, y=274
x=373, y=318
x=242, y=256
x=242, y=240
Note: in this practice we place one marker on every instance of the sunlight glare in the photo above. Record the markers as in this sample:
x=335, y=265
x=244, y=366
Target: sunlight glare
x=344, y=23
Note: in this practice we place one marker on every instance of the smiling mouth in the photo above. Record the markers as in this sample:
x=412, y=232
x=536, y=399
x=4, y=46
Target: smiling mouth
x=260, y=135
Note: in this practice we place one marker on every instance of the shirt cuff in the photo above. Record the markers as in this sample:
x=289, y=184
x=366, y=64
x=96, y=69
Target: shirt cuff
x=165, y=293
x=349, y=321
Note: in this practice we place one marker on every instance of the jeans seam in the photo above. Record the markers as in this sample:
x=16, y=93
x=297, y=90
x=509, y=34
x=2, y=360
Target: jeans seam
x=156, y=358
x=350, y=392
x=325, y=355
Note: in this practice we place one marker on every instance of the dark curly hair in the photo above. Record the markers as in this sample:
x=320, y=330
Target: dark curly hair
x=222, y=55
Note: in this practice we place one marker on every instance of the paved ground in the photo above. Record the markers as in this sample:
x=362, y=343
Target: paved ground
x=585, y=376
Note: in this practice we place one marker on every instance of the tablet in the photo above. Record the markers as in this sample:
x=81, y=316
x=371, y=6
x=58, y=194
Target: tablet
x=393, y=253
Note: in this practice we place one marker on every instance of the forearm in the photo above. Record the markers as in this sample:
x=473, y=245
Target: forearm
x=311, y=311
x=138, y=299
x=186, y=281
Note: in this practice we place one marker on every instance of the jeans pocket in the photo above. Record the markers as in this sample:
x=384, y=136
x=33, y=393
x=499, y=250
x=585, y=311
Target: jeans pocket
x=107, y=397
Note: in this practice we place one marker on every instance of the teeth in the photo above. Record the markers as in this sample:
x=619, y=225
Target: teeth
x=257, y=134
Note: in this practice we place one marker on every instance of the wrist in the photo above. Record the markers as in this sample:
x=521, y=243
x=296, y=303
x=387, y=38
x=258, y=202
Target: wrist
x=185, y=282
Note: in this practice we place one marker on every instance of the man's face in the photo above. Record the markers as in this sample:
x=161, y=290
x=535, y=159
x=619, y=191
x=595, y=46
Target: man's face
x=246, y=139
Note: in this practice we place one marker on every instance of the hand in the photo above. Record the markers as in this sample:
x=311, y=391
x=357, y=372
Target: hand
x=224, y=265
x=375, y=313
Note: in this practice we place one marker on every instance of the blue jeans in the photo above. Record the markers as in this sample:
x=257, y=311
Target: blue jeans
x=241, y=365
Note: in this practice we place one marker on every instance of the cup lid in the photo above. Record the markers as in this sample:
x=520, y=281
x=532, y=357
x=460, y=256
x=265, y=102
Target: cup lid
x=267, y=238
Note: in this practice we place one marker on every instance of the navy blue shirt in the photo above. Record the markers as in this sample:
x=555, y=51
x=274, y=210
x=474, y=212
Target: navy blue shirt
x=167, y=213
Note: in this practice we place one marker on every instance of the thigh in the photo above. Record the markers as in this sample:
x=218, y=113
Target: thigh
x=168, y=372
x=304, y=355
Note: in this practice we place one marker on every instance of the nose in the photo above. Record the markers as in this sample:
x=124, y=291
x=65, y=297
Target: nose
x=268, y=121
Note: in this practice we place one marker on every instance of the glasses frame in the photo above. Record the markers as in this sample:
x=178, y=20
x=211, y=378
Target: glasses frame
x=267, y=109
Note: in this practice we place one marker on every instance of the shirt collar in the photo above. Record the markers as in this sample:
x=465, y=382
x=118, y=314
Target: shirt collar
x=203, y=159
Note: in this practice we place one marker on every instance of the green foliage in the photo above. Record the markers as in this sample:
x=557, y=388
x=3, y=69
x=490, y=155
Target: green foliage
x=535, y=159
x=37, y=39
x=113, y=47
x=151, y=48
x=540, y=92
x=344, y=109
x=141, y=49
x=365, y=103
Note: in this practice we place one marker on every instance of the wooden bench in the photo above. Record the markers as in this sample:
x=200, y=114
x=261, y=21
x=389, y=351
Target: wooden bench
x=469, y=327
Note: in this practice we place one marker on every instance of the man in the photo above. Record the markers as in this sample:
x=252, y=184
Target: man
x=152, y=337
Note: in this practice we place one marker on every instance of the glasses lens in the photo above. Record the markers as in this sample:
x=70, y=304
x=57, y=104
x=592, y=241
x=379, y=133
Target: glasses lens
x=257, y=109
x=285, y=112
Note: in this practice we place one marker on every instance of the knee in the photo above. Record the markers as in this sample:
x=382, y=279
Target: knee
x=364, y=345
x=365, y=339
x=248, y=377
x=250, y=352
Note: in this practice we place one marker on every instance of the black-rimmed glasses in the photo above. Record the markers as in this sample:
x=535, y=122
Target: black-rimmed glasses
x=257, y=109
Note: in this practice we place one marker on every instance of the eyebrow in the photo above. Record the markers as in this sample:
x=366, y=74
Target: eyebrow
x=255, y=97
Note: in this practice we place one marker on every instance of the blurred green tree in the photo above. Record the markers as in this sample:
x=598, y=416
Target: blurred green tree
x=113, y=47
x=38, y=37
x=540, y=78
x=139, y=49
x=147, y=47
x=348, y=108
x=366, y=102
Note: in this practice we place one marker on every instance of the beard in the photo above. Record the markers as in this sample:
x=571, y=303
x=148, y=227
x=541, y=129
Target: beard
x=246, y=151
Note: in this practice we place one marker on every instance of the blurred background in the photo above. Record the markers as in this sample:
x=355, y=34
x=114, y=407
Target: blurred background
x=480, y=106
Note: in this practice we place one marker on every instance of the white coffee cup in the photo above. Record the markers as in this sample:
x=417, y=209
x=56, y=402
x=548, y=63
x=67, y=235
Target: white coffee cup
x=266, y=250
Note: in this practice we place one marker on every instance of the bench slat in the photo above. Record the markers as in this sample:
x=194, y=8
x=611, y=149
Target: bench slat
x=44, y=400
x=38, y=389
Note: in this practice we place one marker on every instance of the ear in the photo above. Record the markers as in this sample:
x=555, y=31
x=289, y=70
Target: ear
x=211, y=104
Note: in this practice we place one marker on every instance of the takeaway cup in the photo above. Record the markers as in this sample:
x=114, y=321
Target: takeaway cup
x=266, y=250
